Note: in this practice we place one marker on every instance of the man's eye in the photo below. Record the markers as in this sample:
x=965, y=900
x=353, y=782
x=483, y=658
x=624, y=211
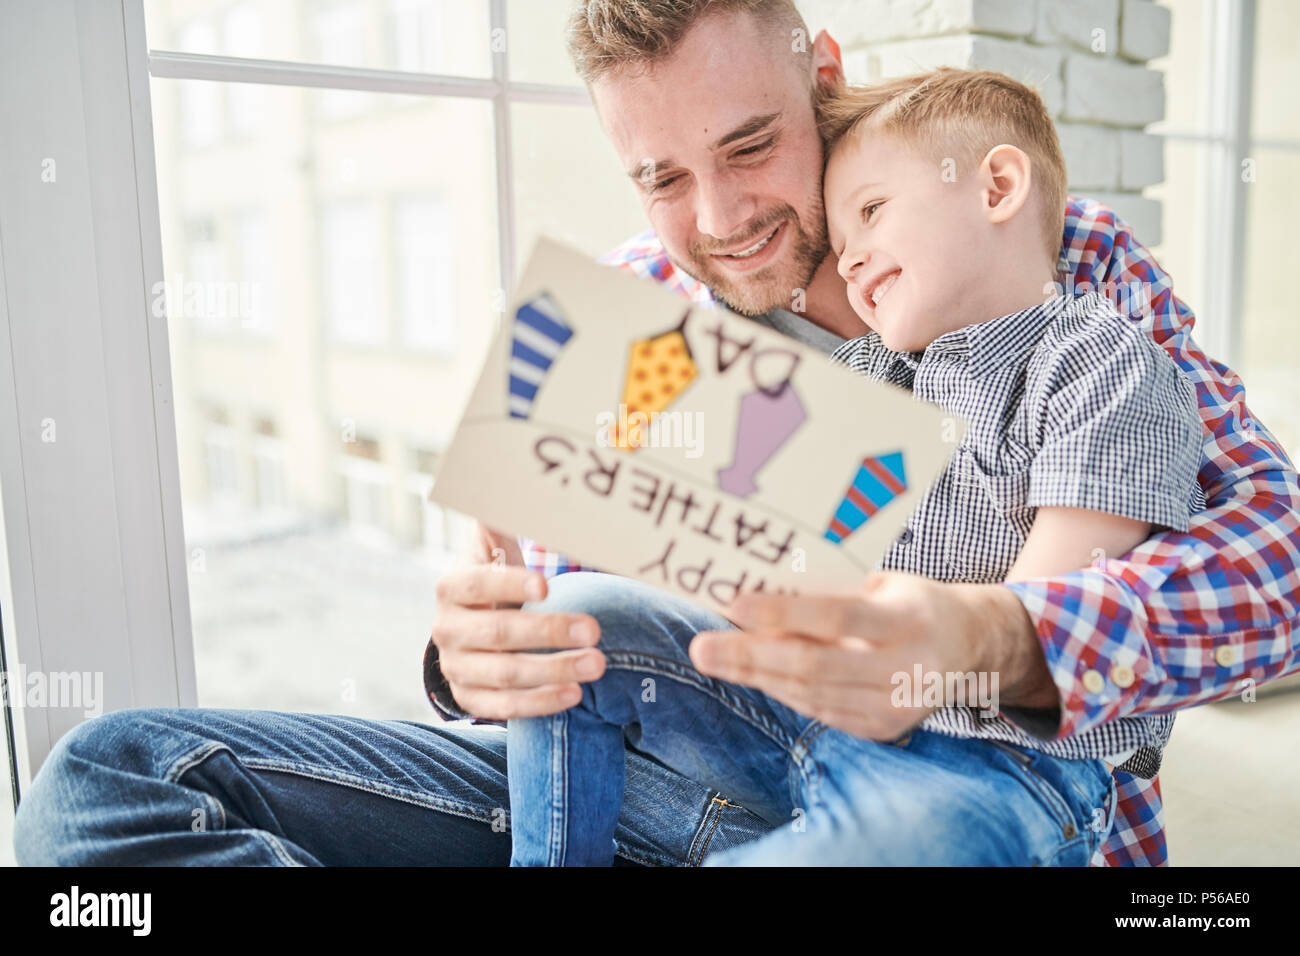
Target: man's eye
x=756, y=148
x=662, y=184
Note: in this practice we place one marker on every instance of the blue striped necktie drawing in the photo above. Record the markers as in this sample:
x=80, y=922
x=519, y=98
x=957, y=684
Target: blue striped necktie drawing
x=878, y=481
x=539, y=334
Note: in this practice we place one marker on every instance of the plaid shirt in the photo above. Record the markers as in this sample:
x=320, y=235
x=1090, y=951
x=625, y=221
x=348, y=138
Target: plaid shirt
x=1069, y=405
x=1184, y=618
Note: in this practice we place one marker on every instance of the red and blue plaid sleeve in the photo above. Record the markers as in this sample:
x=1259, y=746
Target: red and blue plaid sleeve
x=1184, y=618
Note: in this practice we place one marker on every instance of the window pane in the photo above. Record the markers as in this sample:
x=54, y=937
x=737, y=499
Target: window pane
x=330, y=286
x=578, y=194
x=1184, y=67
x=1277, y=70
x=536, y=48
x=425, y=36
x=426, y=273
x=1182, y=209
x=1270, y=362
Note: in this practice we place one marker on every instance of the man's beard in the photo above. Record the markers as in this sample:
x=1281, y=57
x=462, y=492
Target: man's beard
x=774, y=285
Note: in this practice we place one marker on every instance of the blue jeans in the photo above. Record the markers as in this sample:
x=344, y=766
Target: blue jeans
x=199, y=787
x=829, y=797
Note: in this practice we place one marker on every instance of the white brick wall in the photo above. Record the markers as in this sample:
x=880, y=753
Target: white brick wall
x=1085, y=57
x=1092, y=25
x=1144, y=34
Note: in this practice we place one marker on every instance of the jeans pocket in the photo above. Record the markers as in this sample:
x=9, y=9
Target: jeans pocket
x=1049, y=797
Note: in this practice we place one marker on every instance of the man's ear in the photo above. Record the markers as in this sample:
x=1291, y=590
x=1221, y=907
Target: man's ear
x=1006, y=177
x=827, y=65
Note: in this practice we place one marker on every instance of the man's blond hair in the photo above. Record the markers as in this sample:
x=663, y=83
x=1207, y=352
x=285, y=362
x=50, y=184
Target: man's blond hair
x=958, y=115
x=604, y=35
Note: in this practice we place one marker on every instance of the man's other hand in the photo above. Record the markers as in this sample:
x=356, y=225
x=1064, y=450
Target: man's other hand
x=834, y=658
x=484, y=638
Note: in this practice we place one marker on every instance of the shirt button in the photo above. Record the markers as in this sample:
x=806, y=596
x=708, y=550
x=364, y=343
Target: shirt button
x=1226, y=656
x=1093, y=682
x=1121, y=676
x=905, y=538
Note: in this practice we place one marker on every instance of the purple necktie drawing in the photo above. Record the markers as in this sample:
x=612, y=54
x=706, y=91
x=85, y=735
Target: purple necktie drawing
x=766, y=422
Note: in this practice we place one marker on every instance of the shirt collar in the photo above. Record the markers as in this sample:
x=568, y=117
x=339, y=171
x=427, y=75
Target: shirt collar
x=987, y=346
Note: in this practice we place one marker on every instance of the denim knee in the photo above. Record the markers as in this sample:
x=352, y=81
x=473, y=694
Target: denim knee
x=66, y=788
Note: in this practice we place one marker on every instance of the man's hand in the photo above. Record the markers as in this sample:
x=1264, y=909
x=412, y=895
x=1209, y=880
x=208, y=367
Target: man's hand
x=834, y=658
x=483, y=638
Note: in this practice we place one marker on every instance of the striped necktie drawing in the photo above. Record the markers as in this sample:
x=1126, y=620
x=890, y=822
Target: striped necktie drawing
x=878, y=481
x=539, y=334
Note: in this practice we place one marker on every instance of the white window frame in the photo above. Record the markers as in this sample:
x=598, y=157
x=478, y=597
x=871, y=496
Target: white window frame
x=498, y=88
x=77, y=303
x=92, y=561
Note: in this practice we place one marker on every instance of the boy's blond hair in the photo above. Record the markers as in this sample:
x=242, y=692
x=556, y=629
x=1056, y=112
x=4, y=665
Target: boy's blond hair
x=958, y=115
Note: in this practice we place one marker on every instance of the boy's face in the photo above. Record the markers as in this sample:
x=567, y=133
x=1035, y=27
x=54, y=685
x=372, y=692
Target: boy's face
x=908, y=239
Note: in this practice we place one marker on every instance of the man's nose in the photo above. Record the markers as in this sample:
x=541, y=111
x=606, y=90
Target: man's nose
x=721, y=207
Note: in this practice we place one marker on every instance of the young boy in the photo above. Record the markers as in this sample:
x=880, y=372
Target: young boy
x=944, y=196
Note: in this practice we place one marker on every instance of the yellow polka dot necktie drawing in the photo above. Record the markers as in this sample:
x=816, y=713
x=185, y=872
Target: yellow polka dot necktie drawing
x=658, y=370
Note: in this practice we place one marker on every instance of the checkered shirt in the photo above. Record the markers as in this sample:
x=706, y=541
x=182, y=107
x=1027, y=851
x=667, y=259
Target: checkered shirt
x=1068, y=405
x=1195, y=616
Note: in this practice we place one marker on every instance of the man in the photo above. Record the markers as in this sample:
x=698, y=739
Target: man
x=713, y=119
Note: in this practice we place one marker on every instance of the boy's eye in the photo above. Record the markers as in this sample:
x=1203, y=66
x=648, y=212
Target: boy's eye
x=869, y=210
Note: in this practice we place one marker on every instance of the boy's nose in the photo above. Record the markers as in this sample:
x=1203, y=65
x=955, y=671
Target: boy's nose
x=851, y=259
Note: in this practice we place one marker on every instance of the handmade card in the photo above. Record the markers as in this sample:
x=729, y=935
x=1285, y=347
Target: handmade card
x=686, y=446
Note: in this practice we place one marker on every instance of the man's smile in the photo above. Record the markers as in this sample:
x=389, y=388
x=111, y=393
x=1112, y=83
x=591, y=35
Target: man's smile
x=756, y=254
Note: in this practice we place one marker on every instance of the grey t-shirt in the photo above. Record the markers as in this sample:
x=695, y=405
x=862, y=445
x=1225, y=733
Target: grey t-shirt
x=800, y=329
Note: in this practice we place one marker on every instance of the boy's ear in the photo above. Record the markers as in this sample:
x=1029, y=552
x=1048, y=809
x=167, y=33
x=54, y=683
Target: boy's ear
x=1006, y=176
x=827, y=64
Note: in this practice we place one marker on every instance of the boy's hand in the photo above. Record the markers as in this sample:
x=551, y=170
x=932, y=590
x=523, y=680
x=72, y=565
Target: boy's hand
x=833, y=658
x=483, y=637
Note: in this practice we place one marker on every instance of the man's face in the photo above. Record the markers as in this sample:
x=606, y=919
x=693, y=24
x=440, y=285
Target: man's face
x=910, y=242
x=722, y=143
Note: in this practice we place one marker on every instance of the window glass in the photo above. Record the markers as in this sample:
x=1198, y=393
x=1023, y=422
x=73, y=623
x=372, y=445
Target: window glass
x=579, y=194
x=428, y=36
x=1277, y=71
x=1182, y=207
x=330, y=292
x=1185, y=66
x=1270, y=347
x=351, y=269
x=536, y=43
x=424, y=231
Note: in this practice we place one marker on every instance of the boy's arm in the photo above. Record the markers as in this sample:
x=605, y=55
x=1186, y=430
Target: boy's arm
x=1066, y=539
x=1192, y=615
